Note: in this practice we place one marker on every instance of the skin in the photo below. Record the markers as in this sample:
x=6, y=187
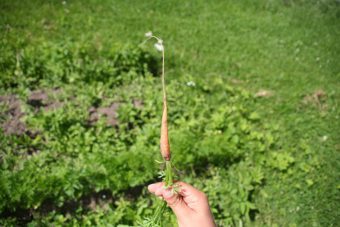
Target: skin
x=190, y=205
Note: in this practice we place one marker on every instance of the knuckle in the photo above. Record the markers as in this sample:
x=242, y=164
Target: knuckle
x=173, y=202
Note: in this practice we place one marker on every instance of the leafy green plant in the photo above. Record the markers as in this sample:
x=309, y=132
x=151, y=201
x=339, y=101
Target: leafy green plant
x=221, y=143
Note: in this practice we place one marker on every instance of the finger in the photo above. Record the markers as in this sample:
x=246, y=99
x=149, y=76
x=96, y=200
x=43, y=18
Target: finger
x=154, y=187
x=170, y=197
x=186, y=190
x=159, y=191
x=175, y=202
x=195, y=199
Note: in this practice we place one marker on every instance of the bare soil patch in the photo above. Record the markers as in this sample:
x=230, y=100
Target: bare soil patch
x=12, y=115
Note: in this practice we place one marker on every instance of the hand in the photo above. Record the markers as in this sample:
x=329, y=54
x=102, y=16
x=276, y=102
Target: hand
x=190, y=205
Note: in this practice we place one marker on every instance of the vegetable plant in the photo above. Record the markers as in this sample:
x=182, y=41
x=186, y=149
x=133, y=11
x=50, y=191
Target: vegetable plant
x=156, y=219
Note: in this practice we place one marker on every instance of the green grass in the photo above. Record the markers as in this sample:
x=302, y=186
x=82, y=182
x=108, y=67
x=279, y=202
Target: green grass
x=288, y=47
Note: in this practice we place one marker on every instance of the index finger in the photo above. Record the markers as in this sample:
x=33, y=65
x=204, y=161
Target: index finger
x=187, y=189
x=154, y=187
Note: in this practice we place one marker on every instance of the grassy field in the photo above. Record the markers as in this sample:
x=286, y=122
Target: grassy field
x=284, y=54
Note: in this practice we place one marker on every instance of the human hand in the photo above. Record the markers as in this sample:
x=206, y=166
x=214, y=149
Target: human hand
x=190, y=205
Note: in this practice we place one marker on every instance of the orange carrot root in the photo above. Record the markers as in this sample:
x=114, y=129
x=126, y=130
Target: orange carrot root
x=164, y=143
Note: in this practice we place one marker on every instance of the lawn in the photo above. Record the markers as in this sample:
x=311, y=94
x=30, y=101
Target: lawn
x=253, y=103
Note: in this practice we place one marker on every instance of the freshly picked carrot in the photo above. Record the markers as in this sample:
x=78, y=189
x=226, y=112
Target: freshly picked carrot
x=164, y=139
x=165, y=146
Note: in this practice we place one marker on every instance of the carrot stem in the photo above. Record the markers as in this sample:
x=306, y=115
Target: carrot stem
x=168, y=174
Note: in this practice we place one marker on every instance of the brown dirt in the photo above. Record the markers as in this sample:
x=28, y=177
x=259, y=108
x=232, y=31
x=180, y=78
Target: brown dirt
x=12, y=125
x=109, y=112
x=137, y=103
x=12, y=114
x=45, y=99
x=88, y=202
x=37, y=98
x=317, y=99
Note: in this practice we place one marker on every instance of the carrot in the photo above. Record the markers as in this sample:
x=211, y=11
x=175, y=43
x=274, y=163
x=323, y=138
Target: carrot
x=164, y=142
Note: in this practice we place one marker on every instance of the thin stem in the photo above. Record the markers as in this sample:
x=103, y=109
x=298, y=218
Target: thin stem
x=151, y=37
x=163, y=74
x=168, y=174
x=163, y=61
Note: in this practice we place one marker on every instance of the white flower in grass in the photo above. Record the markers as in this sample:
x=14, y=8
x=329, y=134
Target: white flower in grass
x=159, y=46
x=191, y=84
x=148, y=34
x=64, y=2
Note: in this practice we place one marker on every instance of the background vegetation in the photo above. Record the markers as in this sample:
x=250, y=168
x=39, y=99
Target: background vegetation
x=253, y=106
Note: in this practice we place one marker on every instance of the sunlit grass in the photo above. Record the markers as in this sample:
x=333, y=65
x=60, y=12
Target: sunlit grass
x=290, y=49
